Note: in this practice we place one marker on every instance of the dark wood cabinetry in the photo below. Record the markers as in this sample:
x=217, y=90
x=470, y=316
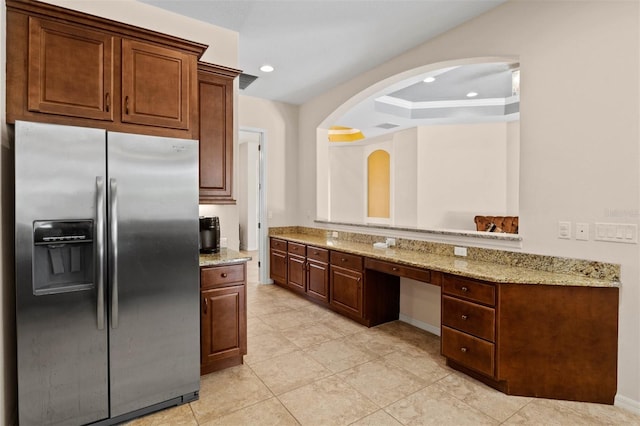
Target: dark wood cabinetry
x=346, y=291
x=297, y=267
x=215, y=94
x=67, y=67
x=223, y=316
x=318, y=274
x=278, y=262
x=78, y=84
x=156, y=85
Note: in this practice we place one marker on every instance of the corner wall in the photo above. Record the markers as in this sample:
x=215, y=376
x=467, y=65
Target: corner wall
x=579, y=131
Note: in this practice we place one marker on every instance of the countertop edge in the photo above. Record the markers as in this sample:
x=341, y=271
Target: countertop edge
x=523, y=276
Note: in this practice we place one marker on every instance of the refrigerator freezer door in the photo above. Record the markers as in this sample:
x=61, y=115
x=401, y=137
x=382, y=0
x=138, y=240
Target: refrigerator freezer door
x=62, y=353
x=153, y=261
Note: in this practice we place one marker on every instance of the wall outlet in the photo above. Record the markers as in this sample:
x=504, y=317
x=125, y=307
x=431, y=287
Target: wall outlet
x=334, y=234
x=582, y=231
x=223, y=242
x=391, y=242
x=460, y=251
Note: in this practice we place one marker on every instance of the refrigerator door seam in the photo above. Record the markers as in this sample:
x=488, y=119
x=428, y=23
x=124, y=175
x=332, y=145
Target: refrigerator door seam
x=100, y=250
x=114, y=252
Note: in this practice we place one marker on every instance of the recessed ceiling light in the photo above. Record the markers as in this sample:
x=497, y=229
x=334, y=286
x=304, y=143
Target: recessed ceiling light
x=429, y=79
x=266, y=68
x=472, y=95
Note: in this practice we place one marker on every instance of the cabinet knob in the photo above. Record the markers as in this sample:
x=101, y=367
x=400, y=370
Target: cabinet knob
x=316, y=253
x=464, y=317
x=343, y=259
x=394, y=269
x=223, y=275
x=465, y=289
x=463, y=349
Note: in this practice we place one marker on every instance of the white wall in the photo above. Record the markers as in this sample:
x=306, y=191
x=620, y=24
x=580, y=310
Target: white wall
x=280, y=123
x=513, y=168
x=579, y=131
x=405, y=177
x=248, y=194
x=462, y=173
x=347, y=171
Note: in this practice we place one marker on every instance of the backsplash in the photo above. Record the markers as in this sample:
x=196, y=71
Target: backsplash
x=588, y=268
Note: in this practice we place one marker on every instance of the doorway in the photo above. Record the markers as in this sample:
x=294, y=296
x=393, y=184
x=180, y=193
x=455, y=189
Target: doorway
x=251, y=196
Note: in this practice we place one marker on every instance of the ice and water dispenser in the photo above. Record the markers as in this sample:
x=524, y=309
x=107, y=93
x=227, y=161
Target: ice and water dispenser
x=62, y=256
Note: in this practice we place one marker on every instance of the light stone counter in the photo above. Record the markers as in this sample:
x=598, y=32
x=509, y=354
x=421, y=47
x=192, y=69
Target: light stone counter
x=224, y=257
x=494, y=272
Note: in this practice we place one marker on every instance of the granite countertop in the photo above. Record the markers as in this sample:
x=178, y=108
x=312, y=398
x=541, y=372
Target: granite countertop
x=224, y=257
x=452, y=264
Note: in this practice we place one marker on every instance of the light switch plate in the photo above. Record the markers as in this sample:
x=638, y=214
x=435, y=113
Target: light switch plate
x=617, y=232
x=564, y=230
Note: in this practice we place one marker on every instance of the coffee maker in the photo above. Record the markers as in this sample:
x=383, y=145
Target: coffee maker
x=209, y=234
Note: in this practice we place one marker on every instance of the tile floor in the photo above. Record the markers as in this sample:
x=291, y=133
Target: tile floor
x=309, y=366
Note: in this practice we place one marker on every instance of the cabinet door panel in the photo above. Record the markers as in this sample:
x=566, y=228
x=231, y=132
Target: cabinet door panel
x=346, y=291
x=318, y=280
x=155, y=85
x=70, y=70
x=278, y=266
x=296, y=273
x=223, y=322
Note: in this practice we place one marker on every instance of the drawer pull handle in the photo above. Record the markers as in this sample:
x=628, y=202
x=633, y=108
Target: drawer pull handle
x=394, y=269
x=465, y=289
x=464, y=317
x=463, y=349
x=343, y=259
x=223, y=275
x=316, y=253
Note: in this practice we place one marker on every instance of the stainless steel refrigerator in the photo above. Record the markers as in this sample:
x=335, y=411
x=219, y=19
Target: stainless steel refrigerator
x=107, y=302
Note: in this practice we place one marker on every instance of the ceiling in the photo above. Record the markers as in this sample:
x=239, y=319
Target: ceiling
x=315, y=45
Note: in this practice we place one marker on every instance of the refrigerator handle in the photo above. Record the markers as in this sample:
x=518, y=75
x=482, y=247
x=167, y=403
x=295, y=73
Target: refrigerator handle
x=114, y=252
x=100, y=250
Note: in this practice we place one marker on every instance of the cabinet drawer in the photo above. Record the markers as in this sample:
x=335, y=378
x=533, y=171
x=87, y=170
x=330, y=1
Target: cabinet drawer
x=469, y=317
x=469, y=289
x=315, y=253
x=468, y=351
x=345, y=260
x=220, y=276
x=398, y=270
x=297, y=249
x=278, y=244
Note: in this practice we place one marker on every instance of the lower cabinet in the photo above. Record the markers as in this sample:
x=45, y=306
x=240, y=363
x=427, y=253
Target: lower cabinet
x=297, y=267
x=223, y=324
x=278, y=261
x=347, y=284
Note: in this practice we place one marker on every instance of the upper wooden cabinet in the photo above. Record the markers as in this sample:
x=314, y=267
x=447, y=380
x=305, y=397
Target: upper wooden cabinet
x=155, y=85
x=215, y=94
x=67, y=67
x=78, y=84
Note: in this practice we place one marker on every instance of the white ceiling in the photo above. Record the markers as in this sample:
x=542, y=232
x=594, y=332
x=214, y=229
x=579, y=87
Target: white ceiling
x=315, y=45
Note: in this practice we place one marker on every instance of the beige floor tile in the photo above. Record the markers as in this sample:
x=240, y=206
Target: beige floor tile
x=226, y=391
x=256, y=326
x=317, y=312
x=339, y=355
x=284, y=320
x=260, y=309
x=306, y=336
x=266, y=413
x=480, y=396
x=433, y=406
x=343, y=325
x=422, y=364
x=382, y=382
x=178, y=416
x=561, y=413
x=287, y=372
x=328, y=401
x=267, y=345
x=295, y=302
x=377, y=342
x=379, y=418
x=602, y=413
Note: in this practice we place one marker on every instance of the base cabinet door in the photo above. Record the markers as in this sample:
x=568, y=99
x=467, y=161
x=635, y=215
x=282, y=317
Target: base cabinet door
x=297, y=273
x=347, y=291
x=223, y=324
x=318, y=280
x=278, y=267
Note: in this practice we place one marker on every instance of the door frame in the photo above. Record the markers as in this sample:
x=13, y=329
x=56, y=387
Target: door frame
x=263, y=233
